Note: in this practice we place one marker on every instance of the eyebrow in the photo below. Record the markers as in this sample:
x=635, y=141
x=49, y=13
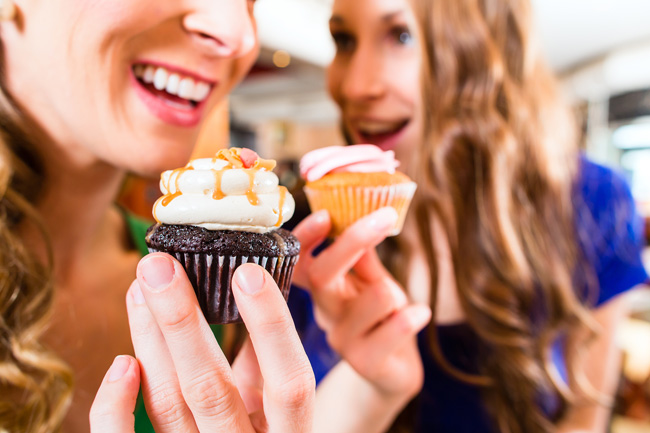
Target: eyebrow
x=338, y=19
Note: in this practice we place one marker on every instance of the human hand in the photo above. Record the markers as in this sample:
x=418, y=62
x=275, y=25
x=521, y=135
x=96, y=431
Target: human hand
x=364, y=312
x=187, y=384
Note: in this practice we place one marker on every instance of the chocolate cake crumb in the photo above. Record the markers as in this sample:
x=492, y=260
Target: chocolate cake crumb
x=188, y=238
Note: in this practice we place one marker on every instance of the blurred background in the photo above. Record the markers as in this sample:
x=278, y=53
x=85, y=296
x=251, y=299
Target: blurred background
x=600, y=49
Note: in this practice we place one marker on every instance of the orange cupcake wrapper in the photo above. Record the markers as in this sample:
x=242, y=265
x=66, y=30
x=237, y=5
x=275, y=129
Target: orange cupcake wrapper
x=347, y=204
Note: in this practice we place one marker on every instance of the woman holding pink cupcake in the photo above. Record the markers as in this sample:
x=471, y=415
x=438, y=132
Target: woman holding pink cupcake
x=516, y=246
x=89, y=91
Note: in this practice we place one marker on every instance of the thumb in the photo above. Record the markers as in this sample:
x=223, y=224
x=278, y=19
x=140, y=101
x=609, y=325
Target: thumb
x=112, y=410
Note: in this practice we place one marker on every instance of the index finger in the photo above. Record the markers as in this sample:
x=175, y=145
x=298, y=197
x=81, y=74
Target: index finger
x=203, y=372
x=339, y=258
x=289, y=384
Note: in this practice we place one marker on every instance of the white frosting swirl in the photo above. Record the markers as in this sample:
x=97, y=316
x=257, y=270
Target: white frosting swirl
x=209, y=193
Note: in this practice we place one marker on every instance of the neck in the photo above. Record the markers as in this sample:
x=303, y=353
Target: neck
x=75, y=205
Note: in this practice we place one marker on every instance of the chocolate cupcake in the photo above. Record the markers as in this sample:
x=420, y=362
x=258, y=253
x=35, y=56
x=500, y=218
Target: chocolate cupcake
x=218, y=213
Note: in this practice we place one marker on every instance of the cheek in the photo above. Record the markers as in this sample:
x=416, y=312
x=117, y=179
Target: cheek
x=409, y=82
x=402, y=78
x=238, y=68
x=334, y=80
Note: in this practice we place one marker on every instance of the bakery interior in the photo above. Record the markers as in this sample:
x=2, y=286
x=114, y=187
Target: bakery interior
x=600, y=49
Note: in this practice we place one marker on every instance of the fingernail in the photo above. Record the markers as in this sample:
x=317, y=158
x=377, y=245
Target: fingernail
x=119, y=368
x=136, y=292
x=383, y=219
x=157, y=272
x=421, y=316
x=250, y=279
x=321, y=216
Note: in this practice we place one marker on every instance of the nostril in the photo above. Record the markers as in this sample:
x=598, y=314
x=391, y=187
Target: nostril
x=211, y=43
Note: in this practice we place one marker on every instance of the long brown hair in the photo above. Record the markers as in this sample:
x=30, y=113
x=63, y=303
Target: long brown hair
x=499, y=159
x=35, y=385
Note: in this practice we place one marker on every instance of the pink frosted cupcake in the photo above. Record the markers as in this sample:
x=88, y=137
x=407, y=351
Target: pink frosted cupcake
x=354, y=181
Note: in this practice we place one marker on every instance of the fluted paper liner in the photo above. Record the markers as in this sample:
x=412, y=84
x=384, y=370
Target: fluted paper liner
x=211, y=277
x=347, y=204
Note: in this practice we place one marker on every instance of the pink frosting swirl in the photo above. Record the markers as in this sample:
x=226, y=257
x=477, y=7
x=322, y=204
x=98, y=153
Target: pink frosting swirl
x=359, y=158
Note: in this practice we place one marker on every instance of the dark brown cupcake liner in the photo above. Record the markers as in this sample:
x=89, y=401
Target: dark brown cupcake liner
x=211, y=278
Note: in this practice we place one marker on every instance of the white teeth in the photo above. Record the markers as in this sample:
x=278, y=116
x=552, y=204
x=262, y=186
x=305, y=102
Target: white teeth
x=201, y=91
x=186, y=88
x=160, y=79
x=378, y=127
x=149, y=72
x=173, y=83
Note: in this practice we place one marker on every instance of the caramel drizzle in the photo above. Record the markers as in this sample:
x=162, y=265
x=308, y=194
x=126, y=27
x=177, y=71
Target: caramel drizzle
x=283, y=194
x=231, y=156
x=218, y=193
x=253, y=199
x=167, y=198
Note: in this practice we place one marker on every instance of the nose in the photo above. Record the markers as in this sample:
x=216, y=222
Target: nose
x=364, y=80
x=222, y=28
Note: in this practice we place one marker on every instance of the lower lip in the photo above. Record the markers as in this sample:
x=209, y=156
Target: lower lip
x=384, y=141
x=166, y=113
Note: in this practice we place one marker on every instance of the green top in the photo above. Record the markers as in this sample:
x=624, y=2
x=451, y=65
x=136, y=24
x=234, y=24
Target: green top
x=138, y=229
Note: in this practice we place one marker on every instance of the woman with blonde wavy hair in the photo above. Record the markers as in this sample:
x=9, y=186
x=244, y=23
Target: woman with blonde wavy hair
x=517, y=243
x=75, y=117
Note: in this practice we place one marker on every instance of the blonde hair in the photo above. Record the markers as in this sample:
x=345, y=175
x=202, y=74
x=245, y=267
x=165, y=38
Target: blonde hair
x=498, y=164
x=35, y=385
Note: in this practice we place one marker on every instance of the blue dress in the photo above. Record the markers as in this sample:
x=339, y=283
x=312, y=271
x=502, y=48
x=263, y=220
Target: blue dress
x=610, y=234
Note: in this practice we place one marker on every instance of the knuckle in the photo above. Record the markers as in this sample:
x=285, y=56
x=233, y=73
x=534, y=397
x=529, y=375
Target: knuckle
x=414, y=386
x=141, y=330
x=315, y=277
x=276, y=326
x=360, y=234
x=385, y=300
x=299, y=390
x=165, y=405
x=208, y=395
x=178, y=321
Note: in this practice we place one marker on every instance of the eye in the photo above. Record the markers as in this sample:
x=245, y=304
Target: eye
x=344, y=41
x=401, y=35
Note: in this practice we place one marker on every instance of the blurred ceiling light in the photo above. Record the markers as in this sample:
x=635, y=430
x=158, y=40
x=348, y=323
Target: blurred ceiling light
x=629, y=68
x=634, y=136
x=281, y=59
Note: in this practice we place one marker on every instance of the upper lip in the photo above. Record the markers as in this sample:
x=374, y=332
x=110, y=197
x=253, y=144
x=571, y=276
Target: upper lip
x=178, y=70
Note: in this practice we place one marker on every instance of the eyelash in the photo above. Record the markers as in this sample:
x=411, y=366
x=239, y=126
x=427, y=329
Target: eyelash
x=402, y=35
x=342, y=40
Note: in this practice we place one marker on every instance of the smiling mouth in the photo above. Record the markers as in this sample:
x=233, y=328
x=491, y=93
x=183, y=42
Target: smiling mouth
x=373, y=131
x=173, y=88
